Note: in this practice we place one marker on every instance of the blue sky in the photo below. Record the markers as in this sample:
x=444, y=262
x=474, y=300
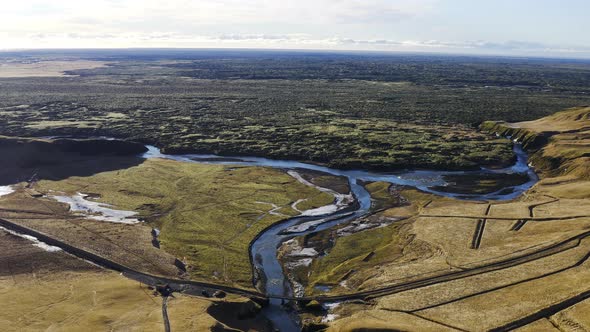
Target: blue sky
x=508, y=27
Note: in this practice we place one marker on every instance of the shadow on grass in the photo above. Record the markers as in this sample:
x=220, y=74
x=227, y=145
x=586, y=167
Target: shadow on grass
x=241, y=316
x=27, y=159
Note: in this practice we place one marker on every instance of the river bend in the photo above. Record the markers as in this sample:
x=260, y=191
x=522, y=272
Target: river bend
x=263, y=249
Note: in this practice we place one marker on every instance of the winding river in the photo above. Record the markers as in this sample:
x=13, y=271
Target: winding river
x=263, y=250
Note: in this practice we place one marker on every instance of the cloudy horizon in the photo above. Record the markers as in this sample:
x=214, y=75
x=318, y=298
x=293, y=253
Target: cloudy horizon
x=542, y=28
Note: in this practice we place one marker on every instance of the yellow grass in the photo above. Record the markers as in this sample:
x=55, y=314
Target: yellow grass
x=492, y=299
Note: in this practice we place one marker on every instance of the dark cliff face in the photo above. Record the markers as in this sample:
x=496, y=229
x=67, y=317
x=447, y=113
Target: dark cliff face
x=550, y=141
x=25, y=159
x=530, y=140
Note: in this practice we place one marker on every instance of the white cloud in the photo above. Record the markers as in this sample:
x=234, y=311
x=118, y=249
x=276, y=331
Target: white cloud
x=184, y=19
x=308, y=24
x=292, y=41
x=109, y=14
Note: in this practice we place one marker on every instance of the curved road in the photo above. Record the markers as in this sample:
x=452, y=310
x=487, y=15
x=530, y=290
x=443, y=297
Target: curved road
x=209, y=289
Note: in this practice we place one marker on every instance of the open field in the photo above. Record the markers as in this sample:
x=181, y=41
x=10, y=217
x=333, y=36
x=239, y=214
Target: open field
x=55, y=291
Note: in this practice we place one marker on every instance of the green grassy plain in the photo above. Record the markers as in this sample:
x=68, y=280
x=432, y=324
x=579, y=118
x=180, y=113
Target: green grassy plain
x=207, y=214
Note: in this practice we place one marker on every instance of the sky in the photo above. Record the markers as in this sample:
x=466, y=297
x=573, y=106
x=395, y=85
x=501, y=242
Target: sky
x=500, y=27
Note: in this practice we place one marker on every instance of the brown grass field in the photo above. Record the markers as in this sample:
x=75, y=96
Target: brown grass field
x=53, y=291
x=441, y=234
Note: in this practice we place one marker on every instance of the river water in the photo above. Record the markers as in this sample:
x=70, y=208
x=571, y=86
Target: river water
x=264, y=249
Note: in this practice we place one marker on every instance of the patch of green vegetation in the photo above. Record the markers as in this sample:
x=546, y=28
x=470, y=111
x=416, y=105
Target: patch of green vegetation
x=341, y=143
x=337, y=183
x=362, y=250
x=207, y=214
x=382, y=196
x=356, y=252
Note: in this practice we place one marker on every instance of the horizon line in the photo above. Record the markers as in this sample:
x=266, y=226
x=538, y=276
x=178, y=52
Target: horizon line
x=303, y=50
